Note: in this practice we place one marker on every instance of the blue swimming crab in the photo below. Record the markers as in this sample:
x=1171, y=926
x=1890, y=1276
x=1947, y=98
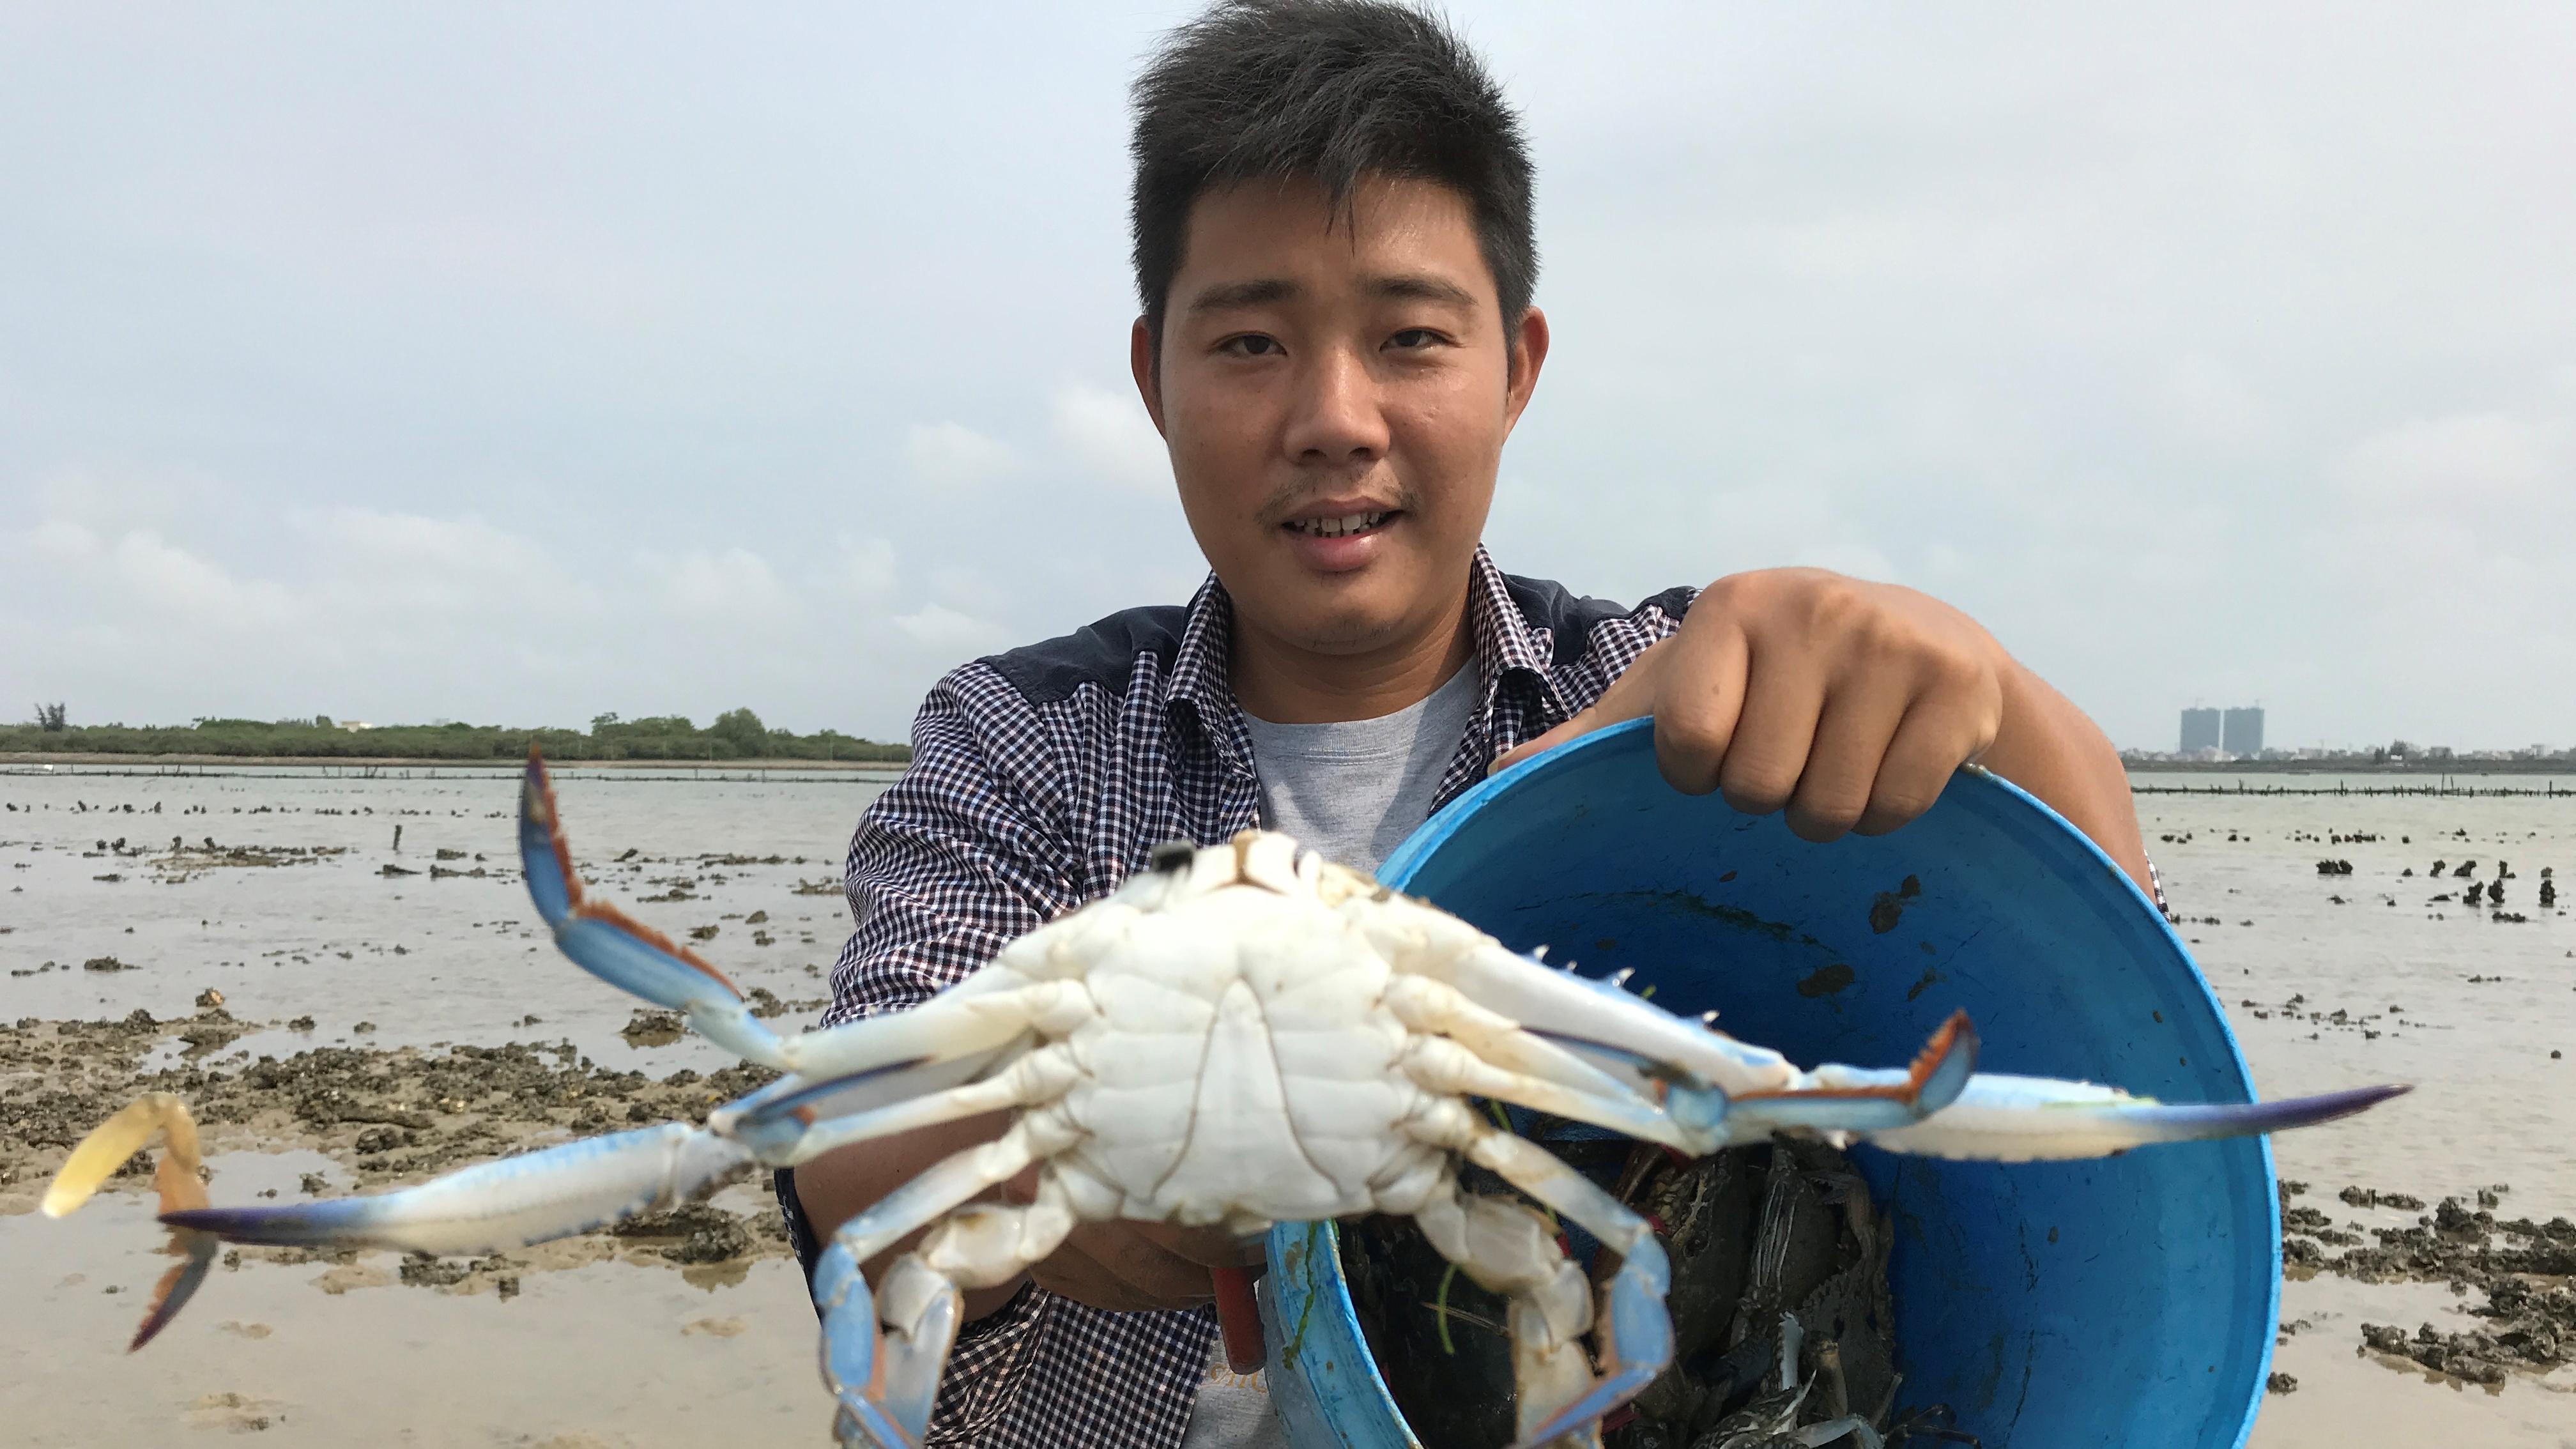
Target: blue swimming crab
x=1241, y=1034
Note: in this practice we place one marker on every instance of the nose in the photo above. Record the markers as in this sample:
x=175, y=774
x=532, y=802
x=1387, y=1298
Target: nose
x=1336, y=419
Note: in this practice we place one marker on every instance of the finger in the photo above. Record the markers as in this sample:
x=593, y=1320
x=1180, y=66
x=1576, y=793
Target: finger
x=1784, y=694
x=1929, y=747
x=1630, y=696
x=1699, y=703
x=1107, y=1266
x=1071, y=1275
x=1209, y=1247
x=1860, y=719
x=1146, y=1264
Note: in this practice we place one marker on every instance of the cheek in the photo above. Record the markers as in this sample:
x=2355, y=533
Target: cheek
x=1215, y=438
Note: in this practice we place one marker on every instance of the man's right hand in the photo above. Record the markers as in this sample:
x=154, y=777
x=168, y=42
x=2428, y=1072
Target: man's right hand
x=1123, y=1267
x=1132, y=1267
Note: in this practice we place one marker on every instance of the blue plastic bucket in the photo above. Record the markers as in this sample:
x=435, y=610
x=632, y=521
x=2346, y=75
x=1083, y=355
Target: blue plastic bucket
x=2052, y=1305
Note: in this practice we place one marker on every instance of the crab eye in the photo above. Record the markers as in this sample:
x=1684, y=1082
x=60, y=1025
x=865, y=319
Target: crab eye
x=1171, y=857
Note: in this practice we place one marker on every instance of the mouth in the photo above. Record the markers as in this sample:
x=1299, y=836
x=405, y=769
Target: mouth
x=1344, y=525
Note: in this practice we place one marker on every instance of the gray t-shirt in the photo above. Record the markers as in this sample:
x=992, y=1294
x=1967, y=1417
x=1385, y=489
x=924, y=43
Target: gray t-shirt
x=1353, y=790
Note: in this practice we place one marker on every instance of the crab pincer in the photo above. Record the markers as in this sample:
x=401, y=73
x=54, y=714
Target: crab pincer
x=177, y=1178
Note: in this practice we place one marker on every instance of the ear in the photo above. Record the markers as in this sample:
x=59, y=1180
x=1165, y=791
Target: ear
x=1529, y=354
x=1140, y=361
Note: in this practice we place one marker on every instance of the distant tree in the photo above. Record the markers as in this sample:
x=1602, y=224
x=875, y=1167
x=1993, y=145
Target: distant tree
x=601, y=722
x=52, y=718
x=322, y=721
x=743, y=730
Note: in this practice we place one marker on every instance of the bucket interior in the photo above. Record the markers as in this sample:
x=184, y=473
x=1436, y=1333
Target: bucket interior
x=2127, y=1300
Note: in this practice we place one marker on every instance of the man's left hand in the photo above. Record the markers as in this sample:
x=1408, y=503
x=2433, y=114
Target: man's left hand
x=1849, y=703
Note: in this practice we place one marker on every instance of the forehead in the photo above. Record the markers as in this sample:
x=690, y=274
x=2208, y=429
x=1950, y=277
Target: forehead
x=1290, y=231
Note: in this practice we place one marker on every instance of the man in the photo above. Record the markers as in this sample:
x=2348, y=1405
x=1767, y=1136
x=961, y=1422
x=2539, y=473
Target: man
x=1334, y=255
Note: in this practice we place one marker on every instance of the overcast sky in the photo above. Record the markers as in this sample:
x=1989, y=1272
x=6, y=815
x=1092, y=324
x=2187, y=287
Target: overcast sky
x=399, y=363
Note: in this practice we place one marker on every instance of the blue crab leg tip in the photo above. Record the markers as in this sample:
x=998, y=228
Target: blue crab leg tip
x=2247, y=1119
x=1639, y=1340
x=542, y=858
x=868, y=1427
x=177, y=1286
x=2147, y=1123
x=282, y=1225
x=1957, y=1045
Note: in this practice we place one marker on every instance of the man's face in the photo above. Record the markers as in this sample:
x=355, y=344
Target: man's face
x=1336, y=398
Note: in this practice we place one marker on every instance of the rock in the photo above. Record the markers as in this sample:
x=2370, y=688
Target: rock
x=703, y=1233
x=209, y=999
x=646, y=1028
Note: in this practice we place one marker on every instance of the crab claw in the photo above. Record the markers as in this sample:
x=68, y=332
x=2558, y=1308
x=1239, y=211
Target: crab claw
x=1835, y=1099
x=623, y=951
x=884, y=1379
x=104, y=1150
x=512, y=1203
x=2029, y=1119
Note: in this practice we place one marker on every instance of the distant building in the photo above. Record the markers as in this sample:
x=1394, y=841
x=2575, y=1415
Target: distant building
x=2242, y=732
x=2199, y=730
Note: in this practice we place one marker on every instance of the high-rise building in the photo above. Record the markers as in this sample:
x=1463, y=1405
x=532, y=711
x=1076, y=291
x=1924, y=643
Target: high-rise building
x=2242, y=731
x=2199, y=730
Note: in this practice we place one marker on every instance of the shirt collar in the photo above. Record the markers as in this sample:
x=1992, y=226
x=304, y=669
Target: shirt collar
x=1509, y=650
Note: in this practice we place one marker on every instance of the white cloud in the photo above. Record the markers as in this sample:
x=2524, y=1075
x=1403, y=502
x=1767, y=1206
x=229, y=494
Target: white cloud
x=2219, y=352
x=952, y=456
x=1109, y=435
x=862, y=568
x=2472, y=460
x=938, y=629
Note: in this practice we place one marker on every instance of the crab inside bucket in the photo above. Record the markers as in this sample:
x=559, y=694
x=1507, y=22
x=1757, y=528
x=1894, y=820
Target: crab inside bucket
x=2126, y=1300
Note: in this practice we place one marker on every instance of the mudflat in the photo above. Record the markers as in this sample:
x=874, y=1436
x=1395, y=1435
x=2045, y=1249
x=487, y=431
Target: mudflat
x=347, y=1013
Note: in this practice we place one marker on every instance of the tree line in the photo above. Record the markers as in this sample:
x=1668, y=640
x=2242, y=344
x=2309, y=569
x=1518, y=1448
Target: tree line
x=737, y=734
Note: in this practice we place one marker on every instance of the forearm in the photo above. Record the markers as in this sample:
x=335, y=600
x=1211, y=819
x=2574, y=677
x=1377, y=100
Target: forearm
x=2052, y=749
x=839, y=1185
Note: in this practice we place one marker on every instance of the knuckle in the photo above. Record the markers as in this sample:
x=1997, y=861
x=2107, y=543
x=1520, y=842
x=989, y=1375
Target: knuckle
x=1756, y=786
x=1692, y=732
x=1822, y=820
x=1891, y=806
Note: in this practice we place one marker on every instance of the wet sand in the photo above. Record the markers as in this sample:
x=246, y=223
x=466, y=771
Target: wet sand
x=415, y=1020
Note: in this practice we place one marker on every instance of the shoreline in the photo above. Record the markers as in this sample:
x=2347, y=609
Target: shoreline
x=162, y=763
x=2427, y=773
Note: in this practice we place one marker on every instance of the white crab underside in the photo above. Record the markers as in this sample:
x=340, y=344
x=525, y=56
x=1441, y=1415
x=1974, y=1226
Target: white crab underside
x=1243, y=1065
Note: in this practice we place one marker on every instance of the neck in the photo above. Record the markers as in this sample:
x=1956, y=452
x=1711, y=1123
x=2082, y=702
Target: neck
x=1278, y=680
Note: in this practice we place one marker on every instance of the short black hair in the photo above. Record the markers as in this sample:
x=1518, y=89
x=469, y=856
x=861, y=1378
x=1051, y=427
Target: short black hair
x=1329, y=91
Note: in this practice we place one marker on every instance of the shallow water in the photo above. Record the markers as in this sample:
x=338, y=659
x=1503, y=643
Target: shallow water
x=420, y=958
x=617, y=1354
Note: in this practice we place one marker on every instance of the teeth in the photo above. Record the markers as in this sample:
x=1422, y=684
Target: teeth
x=1336, y=527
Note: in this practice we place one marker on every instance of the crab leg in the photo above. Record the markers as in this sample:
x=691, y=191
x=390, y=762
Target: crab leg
x=882, y=1360
x=540, y=1196
x=532, y=1198
x=175, y=1177
x=1603, y=1024
x=2027, y=1119
x=792, y=1120
x=1559, y=1398
x=632, y=956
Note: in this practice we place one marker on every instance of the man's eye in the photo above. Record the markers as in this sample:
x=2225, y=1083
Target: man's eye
x=1414, y=338
x=1251, y=344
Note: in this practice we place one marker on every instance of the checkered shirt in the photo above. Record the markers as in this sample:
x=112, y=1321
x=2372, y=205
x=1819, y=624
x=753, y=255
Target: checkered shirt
x=1039, y=781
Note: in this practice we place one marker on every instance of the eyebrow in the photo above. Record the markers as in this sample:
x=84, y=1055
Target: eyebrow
x=1228, y=296
x=1420, y=287
x=1261, y=292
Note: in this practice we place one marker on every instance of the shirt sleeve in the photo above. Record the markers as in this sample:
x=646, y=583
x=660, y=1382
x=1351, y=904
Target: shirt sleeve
x=957, y=859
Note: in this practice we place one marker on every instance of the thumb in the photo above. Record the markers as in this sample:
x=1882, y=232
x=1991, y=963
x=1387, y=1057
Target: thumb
x=1630, y=696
